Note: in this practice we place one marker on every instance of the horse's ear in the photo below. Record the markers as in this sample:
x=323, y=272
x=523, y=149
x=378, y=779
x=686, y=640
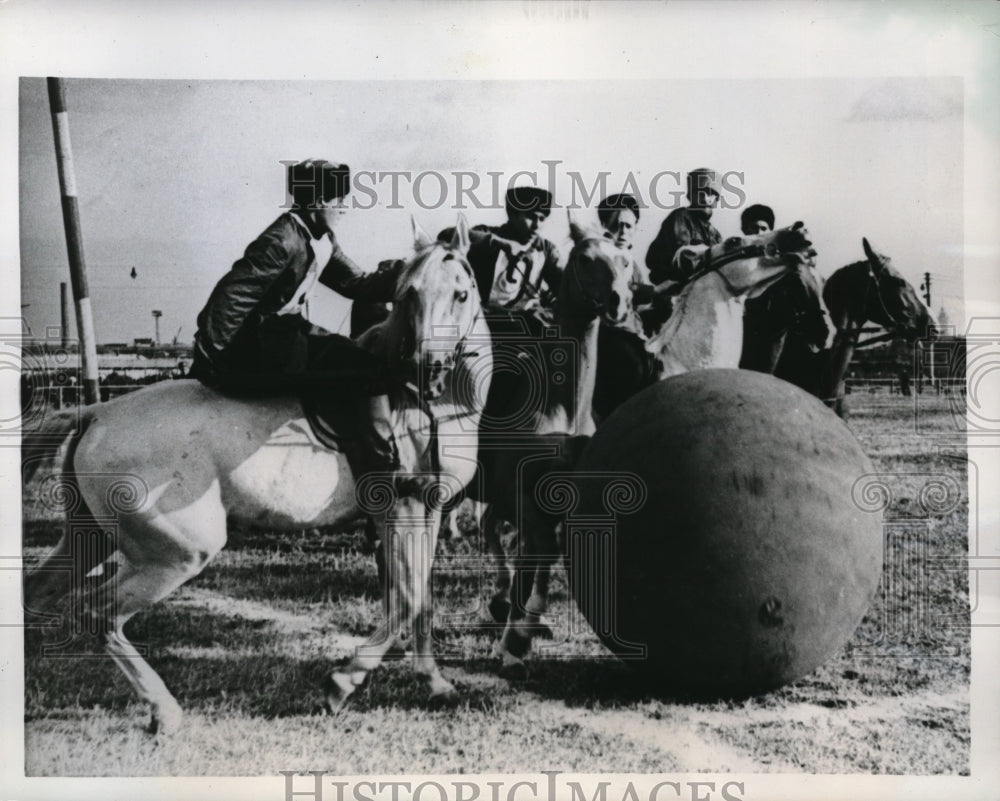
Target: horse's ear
x=875, y=259
x=460, y=239
x=420, y=238
x=576, y=231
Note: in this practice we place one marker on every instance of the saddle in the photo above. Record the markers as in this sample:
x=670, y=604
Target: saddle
x=337, y=422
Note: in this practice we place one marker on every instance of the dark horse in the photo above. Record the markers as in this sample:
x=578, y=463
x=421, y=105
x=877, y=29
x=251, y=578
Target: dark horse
x=786, y=322
x=865, y=291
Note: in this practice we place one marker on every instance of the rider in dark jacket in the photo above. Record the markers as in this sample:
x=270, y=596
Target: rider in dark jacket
x=252, y=338
x=691, y=225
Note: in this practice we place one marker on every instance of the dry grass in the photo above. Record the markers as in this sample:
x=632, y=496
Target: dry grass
x=244, y=645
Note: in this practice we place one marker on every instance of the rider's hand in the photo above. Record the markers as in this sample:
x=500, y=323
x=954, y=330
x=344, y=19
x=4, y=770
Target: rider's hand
x=510, y=247
x=789, y=240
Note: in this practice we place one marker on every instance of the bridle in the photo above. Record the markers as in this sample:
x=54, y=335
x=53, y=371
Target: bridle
x=713, y=264
x=892, y=330
x=596, y=308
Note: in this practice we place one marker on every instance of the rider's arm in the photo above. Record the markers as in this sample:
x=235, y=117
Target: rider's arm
x=674, y=234
x=342, y=275
x=478, y=235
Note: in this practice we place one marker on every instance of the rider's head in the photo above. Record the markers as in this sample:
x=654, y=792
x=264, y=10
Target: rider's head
x=703, y=190
x=757, y=219
x=318, y=188
x=527, y=208
x=619, y=215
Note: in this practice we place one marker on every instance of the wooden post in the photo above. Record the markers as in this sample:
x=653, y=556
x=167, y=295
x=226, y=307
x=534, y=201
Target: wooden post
x=74, y=239
x=64, y=313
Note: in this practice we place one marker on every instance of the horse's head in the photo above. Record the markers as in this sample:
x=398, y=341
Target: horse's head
x=891, y=301
x=435, y=308
x=595, y=283
x=751, y=264
x=794, y=304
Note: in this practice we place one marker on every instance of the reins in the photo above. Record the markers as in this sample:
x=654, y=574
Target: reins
x=895, y=326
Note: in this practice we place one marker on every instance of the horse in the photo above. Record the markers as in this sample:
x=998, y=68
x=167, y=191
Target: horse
x=861, y=292
x=705, y=328
x=704, y=331
x=539, y=420
x=167, y=464
x=791, y=310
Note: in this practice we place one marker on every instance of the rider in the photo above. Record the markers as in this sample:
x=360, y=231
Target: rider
x=514, y=265
x=757, y=219
x=691, y=225
x=619, y=215
x=252, y=337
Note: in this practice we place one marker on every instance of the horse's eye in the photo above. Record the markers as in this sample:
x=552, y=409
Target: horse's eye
x=461, y=295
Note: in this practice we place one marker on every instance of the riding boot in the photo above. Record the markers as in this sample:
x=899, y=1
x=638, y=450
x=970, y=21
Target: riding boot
x=379, y=451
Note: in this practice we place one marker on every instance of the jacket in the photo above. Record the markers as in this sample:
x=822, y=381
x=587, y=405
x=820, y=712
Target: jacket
x=511, y=286
x=239, y=331
x=682, y=227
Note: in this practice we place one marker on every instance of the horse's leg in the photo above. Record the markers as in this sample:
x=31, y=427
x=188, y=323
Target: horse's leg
x=424, y=663
x=48, y=583
x=533, y=560
x=409, y=537
x=478, y=510
x=449, y=517
x=157, y=555
x=490, y=525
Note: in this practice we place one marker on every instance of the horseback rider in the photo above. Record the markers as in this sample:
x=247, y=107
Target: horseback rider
x=691, y=225
x=619, y=216
x=516, y=268
x=757, y=219
x=253, y=338
x=622, y=361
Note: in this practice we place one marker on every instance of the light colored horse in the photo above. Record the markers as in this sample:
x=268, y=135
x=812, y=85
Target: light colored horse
x=705, y=330
x=168, y=464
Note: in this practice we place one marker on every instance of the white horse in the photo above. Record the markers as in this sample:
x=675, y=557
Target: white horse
x=169, y=463
x=705, y=330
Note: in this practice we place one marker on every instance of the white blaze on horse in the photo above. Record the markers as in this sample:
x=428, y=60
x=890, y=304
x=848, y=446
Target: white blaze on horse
x=705, y=330
x=169, y=463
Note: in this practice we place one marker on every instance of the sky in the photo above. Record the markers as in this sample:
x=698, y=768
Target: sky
x=176, y=177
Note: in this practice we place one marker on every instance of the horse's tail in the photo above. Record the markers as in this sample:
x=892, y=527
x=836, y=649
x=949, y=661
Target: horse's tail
x=42, y=444
x=79, y=552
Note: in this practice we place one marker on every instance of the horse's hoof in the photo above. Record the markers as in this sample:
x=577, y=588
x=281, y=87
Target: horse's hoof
x=499, y=609
x=512, y=668
x=337, y=688
x=515, y=670
x=166, y=719
x=445, y=699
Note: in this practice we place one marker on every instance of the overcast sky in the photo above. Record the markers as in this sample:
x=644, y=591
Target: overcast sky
x=176, y=177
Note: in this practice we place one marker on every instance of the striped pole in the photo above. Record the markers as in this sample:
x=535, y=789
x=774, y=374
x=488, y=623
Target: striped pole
x=74, y=239
x=64, y=313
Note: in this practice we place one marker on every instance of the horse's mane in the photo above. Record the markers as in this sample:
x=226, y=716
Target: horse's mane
x=418, y=261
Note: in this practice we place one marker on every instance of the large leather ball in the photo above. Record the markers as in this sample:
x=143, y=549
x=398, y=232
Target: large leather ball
x=734, y=555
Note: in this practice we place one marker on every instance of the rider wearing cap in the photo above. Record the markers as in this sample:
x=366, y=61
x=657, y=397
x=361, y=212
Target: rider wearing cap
x=686, y=226
x=515, y=267
x=757, y=219
x=252, y=337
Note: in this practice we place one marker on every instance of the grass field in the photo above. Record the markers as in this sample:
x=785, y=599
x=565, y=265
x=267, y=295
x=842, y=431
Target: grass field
x=244, y=645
